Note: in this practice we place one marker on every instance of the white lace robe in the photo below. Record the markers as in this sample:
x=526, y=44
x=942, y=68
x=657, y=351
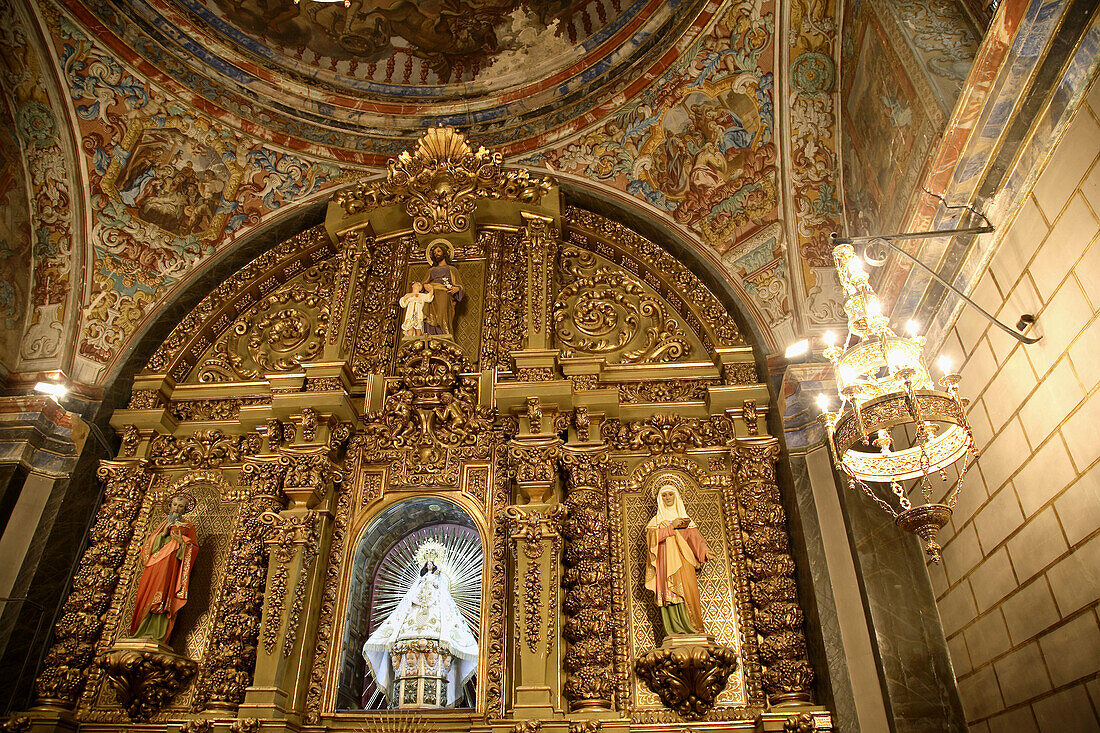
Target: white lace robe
x=427, y=611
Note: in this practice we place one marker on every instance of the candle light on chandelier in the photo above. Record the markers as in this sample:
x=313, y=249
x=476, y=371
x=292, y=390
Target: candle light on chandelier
x=893, y=425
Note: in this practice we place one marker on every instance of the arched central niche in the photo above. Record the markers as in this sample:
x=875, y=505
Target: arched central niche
x=385, y=568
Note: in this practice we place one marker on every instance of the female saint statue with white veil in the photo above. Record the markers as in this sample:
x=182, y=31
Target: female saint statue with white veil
x=675, y=552
x=423, y=654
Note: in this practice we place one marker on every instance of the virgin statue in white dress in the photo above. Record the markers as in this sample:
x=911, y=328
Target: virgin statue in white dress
x=423, y=654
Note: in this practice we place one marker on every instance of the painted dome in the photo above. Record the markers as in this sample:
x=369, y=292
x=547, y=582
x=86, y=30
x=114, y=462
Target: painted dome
x=361, y=81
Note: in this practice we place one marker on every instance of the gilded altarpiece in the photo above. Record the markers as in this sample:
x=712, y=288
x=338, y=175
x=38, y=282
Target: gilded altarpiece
x=299, y=417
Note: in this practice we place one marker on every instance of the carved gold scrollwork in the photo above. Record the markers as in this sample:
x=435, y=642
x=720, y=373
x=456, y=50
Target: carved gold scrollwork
x=203, y=449
x=788, y=677
x=688, y=679
x=280, y=333
x=585, y=726
x=145, y=680
x=432, y=410
x=225, y=409
x=65, y=668
x=308, y=475
x=604, y=311
x=749, y=415
x=286, y=536
x=197, y=726
x=542, y=240
x=668, y=433
x=440, y=182
x=800, y=723
x=130, y=440
x=325, y=617
x=533, y=465
x=245, y=725
x=675, y=390
x=533, y=529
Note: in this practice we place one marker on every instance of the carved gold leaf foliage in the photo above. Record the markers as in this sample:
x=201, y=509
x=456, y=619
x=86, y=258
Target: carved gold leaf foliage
x=440, y=182
x=687, y=679
x=605, y=311
x=144, y=681
x=592, y=230
x=280, y=333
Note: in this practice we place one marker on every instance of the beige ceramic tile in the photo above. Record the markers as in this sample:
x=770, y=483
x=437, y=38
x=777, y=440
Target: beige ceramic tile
x=992, y=580
x=1079, y=507
x=1037, y=544
x=1021, y=674
x=1028, y=611
x=1008, y=390
x=1075, y=580
x=1067, y=711
x=1048, y=406
x=1072, y=650
x=1019, y=245
x=1068, y=239
x=998, y=519
x=1004, y=455
x=1046, y=473
x=1085, y=353
x=1088, y=273
x=1058, y=323
x=1075, y=153
x=1080, y=432
x=987, y=638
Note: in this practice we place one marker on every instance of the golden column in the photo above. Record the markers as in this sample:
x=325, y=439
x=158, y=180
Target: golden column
x=589, y=659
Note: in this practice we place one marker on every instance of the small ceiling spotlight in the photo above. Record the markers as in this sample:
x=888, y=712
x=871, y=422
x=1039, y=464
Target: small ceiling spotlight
x=798, y=348
x=53, y=389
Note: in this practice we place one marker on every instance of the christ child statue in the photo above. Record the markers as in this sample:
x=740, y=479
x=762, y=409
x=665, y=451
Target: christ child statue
x=414, y=303
x=167, y=555
x=675, y=551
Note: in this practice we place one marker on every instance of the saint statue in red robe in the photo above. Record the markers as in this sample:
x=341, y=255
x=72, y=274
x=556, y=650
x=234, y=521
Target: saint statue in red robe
x=167, y=555
x=676, y=550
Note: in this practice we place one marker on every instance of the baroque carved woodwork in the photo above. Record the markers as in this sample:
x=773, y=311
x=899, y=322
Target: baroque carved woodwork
x=226, y=669
x=687, y=678
x=592, y=361
x=534, y=532
x=440, y=183
x=778, y=618
x=203, y=449
x=285, y=330
x=144, y=680
x=587, y=581
x=64, y=670
x=668, y=433
x=604, y=311
x=287, y=537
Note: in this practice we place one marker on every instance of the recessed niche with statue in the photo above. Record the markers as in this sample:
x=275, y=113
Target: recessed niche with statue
x=467, y=456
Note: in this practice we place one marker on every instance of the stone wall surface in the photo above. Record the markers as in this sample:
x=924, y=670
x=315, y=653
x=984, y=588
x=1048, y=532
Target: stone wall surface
x=1019, y=585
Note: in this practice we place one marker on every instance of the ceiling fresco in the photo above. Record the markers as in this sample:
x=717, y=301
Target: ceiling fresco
x=47, y=163
x=537, y=72
x=404, y=43
x=15, y=241
x=196, y=123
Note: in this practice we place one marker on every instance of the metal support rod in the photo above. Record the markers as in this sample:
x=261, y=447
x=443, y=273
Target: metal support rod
x=886, y=239
x=911, y=235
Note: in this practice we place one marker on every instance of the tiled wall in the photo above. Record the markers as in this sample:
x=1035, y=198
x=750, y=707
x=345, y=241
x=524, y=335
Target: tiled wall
x=1019, y=583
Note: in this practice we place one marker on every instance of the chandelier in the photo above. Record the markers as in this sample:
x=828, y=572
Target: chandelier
x=893, y=424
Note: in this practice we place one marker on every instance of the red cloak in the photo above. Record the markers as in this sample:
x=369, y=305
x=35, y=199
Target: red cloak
x=163, y=585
